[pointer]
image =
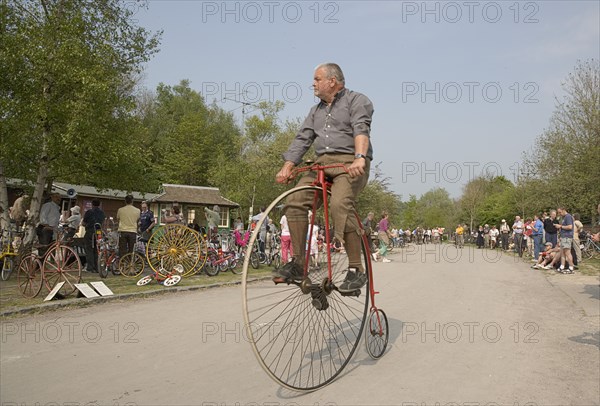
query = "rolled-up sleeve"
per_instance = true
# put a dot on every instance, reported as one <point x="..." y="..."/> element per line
<point x="361" y="114"/>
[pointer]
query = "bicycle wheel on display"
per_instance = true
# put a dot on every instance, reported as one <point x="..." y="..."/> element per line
<point x="276" y="261"/>
<point x="103" y="263"/>
<point x="254" y="259"/>
<point x="303" y="335"/>
<point x="588" y="251"/>
<point x="234" y="265"/>
<point x="131" y="265"/>
<point x="211" y="267"/>
<point x="8" y="264"/>
<point x="145" y="280"/>
<point x="174" y="244"/>
<point x="114" y="265"/>
<point x="61" y="264"/>
<point x="29" y="276"/>
<point x="376" y="333"/>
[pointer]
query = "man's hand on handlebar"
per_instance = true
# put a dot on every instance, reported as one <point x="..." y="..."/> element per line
<point x="357" y="168"/>
<point x="285" y="173"/>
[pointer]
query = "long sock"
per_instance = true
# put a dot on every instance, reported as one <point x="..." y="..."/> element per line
<point x="352" y="244"/>
<point x="298" y="231"/>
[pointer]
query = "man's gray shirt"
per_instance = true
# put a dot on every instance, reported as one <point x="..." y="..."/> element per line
<point x="333" y="128"/>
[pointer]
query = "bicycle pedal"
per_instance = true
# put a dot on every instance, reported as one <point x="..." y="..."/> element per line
<point x="351" y="293"/>
<point x="319" y="298"/>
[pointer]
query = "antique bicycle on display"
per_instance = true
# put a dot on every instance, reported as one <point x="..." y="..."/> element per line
<point x="305" y="333"/>
<point x="59" y="263"/>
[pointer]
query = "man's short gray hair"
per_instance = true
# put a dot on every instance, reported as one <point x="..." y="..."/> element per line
<point x="333" y="71"/>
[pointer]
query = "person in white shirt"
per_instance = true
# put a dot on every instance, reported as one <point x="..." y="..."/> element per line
<point x="49" y="219"/>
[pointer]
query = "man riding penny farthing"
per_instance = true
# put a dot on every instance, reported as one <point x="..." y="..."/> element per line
<point x="305" y="324"/>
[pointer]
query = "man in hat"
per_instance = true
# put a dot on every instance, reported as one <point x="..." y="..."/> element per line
<point x="504" y="234"/>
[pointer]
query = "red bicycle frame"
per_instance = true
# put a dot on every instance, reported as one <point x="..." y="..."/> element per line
<point x="321" y="181"/>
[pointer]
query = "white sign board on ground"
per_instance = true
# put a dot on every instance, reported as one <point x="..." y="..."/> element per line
<point x="54" y="292"/>
<point x="85" y="290"/>
<point x="102" y="288"/>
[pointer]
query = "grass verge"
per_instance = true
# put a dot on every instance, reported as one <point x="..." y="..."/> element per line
<point x="11" y="299"/>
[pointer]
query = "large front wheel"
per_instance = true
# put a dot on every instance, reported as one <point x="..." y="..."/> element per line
<point x="303" y="335"/>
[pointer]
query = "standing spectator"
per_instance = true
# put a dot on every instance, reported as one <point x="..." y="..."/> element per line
<point x="369" y="231"/>
<point x="383" y="234"/>
<point x="566" y="240"/>
<point x="286" y="240"/>
<point x="147" y="222"/>
<point x="480" y="238"/>
<point x="486" y="236"/>
<point x="459" y="236"/>
<point x="435" y="233"/>
<point x="238" y="224"/>
<point x="537" y="234"/>
<point x="262" y="236"/>
<point x="576" y="241"/>
<point x="494" y="233"/>
<point x="128" y="217"/>
<point x="550" y="228"/>
<point x="527" y="236"/>
<point x="49" y="219"/>
<point x="504" y="234"/>
<point x="518" y="229"/>
<point x="92" y="217"/>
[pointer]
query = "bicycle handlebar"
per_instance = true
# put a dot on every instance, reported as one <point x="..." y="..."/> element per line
<point x="311" y="166"/>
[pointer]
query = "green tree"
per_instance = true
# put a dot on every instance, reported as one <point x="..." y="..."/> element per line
<point x="436" y="208"/>
<point x="186" y="138"/>
<point x="66" y="93"/>
<point x="565" y="160"/>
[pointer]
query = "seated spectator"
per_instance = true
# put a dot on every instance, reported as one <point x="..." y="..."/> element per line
<point x="545" y="256"/>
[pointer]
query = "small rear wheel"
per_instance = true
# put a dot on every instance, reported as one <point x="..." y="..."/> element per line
<point x="376" y="333"/>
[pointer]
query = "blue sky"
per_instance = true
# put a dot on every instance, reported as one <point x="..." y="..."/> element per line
<point x="458" y="87"/>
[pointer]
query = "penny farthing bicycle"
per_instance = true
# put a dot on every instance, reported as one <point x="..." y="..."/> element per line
<point x="305" y="333"/>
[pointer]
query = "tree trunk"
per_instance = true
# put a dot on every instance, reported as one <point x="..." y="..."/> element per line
<point x="4" y="217"/>
<point x="38" y="192"/>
